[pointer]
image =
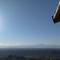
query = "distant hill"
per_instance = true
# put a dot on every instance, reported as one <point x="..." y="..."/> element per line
<point x="42" y="46"/>
<point x="46" y="46"/>
<point x="34" y="46"/>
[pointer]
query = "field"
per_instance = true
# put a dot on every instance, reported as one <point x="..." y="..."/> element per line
<point x="29" y="54"/>
<point x="11" y="57"/>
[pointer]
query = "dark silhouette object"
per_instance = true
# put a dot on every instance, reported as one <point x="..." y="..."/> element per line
<point x="22" y="58"/>
<point x="10" y="57"/>
<point x="33" y="59"/>
<point x="18" y="58"/>
<point x="56" y="16"/>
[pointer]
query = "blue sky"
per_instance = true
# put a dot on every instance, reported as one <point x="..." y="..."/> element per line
<point x="28" y="22"/>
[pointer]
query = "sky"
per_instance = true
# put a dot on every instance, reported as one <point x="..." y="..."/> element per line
<point x="28" y="22"/>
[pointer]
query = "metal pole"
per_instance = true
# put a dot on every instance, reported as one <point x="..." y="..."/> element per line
<point x="56" y="16"/>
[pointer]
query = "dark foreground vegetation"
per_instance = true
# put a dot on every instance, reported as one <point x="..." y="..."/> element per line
<point x="14" y="57"/>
